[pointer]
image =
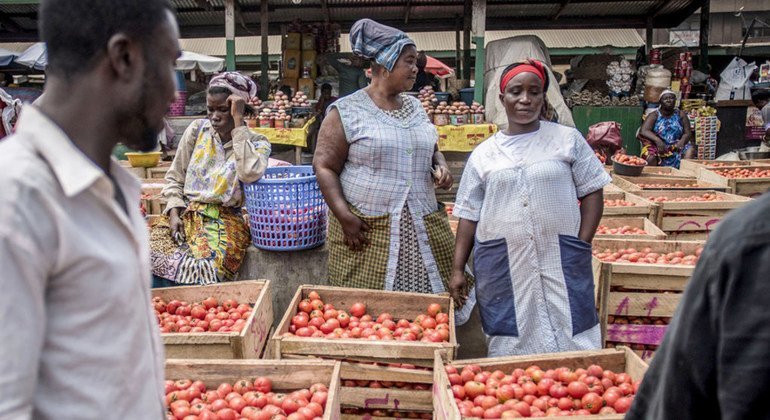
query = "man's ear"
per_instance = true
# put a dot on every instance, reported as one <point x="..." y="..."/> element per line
<point x="125" y="57"/>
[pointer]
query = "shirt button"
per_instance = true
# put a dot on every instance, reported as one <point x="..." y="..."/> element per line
<point x="525" y="204"/>
<point x="409" y="151"/>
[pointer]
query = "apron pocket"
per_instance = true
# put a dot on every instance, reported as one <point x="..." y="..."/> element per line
<point x="494" y="288"/>
<point x="579" y="279"/>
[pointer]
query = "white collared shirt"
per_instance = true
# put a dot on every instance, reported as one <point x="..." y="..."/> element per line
<point x="78" y="338"/>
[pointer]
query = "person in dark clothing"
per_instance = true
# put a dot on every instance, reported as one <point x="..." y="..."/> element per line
<point x="424" y="78"/>
<point x="714" y="361"/>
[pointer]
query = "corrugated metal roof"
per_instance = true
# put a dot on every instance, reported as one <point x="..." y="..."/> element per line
<point x="423" y="15"/>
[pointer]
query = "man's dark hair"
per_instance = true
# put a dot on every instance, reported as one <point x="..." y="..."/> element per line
<point x="326" y="86"/>
<point x="77" y="31"/>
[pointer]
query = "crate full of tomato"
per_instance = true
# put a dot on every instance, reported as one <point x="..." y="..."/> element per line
<point x="599" y="383"/>
<point x="221" y="321"/>
<point x="640" y="284"/>
<point x="691" y="215"/>
<point x="252" y="389"/>
<point x="366" y="325"/>
<point x="748" y="181"/>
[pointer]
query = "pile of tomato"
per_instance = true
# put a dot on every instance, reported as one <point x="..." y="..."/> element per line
<point x="623" y="230"/>
<point x="684" y="185"/>
<point x="315" y="318"/>
<point x="744" y="173"/>
<point x="629" y="160"/>
<point x="534" y="392"/>
<point x="601" y="157"/>
<point x="618" y="203"/>
<point x="244" y="399"/>
<point x="648" y="256"/>
<point x="205" y="316"/>
<point x="692" y="198"/>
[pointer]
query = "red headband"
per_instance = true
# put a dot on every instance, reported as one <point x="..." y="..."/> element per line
<point x="531" y="67"/>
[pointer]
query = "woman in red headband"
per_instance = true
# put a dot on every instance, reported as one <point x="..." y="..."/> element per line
<point x="519" y="213"/>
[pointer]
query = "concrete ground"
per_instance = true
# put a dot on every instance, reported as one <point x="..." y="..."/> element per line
<point x="289" y="270"/>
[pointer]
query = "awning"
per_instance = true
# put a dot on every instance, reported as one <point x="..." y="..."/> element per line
<point x="190" y="60"/>
<point x="35" y="56"/>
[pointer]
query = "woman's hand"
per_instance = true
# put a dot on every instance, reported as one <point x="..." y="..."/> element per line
<point x="175" y="222"/>
<point x="354" y="230"/>
<point x="237" y="109"/>
<point x="457" y="285"/>
<point x="443" y="177"/>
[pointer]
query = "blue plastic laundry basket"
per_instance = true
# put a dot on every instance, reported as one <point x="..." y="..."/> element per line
<point x="286" y="209"/>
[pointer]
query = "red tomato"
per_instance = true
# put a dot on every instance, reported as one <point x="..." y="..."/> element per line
<point x="313" y="296"/>
<point x="242" y="386"/>
<point x="592" y="402"/>
<point x="622" y="404"/>
<point x="227" y="414"/>
<point x="319" y="397"/>
<point x="577" y="389"/>
<point x="263" y="384"/>
<point x="210" y="302"/>
<point x="474" y="389"/>
<point x="434" y="309"/>
<point x="358" y="310"/>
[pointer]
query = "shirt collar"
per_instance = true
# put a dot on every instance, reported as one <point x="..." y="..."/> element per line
<point x="74" y="171"/>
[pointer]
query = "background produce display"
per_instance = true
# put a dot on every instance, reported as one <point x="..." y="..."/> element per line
<point x="558" y="385"/>
<point x="629" y="160"/>
<point x="255" y="389"/>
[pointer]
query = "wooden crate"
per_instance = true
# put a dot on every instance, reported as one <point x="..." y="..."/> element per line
<point x="612" y="188"/>
<point x="693" y="167"/>
<point x="286" y="375"/>
<point x="618" y="360"/>
<point x="642" y="208"/>
<point x="386" y="398"/>
<point x="691" y="219"/>
<point x="631" y="184"/>
<point x="248" y="344"/>
<point x="138" y="172"/>
<point x="399" y="304"/>
<point x="158" y="171"/>
<point x="747" y="187"/>
<point x="650" y="290"/>
<point x="665" y="172"/>
<point x="653" y="232"/>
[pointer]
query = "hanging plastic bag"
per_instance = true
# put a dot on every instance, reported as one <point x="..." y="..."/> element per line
<point x="735" y="83"/>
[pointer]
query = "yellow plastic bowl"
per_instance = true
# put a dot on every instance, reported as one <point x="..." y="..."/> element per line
<point x="143" y="160"/>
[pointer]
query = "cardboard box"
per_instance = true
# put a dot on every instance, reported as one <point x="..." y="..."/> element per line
<point x="292" y="63"/>
<point x="308" y="61"/>
<point x="308" y="42"/>
<point x="293" y="41"/>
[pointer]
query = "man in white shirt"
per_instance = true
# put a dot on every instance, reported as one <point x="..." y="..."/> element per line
<point x="78" y="337"/>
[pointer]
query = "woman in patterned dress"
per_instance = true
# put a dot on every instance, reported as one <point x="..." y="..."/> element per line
<point x="666" y="135"/>
<point x="376" y="161"/>
<point x="203" y="236"/>
<point x="519" y="213"/>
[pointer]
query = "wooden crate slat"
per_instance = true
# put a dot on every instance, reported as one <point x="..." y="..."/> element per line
<point x="384" y="398"/>
<point x="643" y="304"/>
<point x="636" y="334"/>
<point x="631" y="184"/>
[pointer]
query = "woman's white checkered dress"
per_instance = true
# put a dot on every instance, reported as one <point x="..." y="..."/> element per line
<point x="388" y="170"/>
<point x="534" y="284"/>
